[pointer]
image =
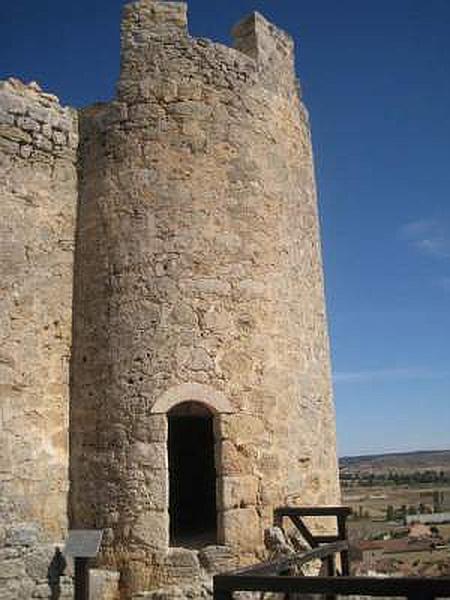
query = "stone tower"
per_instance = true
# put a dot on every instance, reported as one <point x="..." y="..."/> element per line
<point x="200" y="377"/>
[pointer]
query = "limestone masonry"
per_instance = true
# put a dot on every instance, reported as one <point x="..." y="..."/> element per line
<point x="162" y="313"/>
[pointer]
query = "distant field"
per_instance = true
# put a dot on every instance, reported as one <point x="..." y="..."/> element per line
<point x="383" y="489"/>
<point x="370" y="484"/>
<point x="374" y="501"/>
<point x="438" y="460"/>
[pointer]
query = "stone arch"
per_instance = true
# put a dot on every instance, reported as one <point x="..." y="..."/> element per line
<point x="219" y="406"/>
<point x="193" y="392"/>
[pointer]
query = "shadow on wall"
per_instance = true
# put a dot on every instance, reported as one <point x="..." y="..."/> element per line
<point x="55" y="571"/>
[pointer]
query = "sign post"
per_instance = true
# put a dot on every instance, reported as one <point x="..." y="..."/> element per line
<point x="81" y="545"/>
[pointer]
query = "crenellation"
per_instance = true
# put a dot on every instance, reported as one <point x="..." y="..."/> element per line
<point x="151" y="46"/>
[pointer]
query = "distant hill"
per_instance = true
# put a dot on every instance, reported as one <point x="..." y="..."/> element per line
<point x="435" y="460"/>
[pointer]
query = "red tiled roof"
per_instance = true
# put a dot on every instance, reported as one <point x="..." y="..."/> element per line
<point x="394" y="546"/>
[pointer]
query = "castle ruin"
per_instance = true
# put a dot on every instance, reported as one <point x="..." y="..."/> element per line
<point x="164" y="358"/>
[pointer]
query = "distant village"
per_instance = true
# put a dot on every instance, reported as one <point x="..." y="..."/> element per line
<point x="415" y="550"/>
<point x="400" y="524"/>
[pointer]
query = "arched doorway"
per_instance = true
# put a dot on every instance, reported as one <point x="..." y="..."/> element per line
<point x="192" y="475"/>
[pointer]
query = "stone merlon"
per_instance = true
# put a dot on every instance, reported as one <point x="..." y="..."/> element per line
<point x="147" y="21"/>
<point x="260" y="39"/>
<point x="155" y="19"/>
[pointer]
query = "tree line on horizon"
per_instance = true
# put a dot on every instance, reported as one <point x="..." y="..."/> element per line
<point x="428" y="476"/>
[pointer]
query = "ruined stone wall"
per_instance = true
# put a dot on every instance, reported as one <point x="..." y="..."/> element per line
<point x="198" y="271"/>
<point x="38" y="140"/>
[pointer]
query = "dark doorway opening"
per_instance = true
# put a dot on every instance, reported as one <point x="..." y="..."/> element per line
<point x="192" y="475"/>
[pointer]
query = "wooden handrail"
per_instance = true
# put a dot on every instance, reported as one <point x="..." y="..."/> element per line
<point x="269" y="577"/>
<point x="298" y="559"/>
<point x="296" y="515"/>
<point x="313" y="511"/>
<point x="411" y="588"/>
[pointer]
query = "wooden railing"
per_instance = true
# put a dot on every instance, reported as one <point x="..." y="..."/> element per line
<point x="340" y="513"/>
<point x="276" y="576"/>
<point x="410" y="588"/>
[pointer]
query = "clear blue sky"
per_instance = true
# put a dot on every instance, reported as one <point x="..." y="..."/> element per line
<point x="376" y="79"/>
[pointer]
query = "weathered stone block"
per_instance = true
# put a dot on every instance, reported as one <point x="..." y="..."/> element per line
<point x="103" y="585"/>
<point x="25" y="151"/>
<point x="24" y="534"/>
<point x="28" y="124"/>
<point x="38" y="113"/>
<point x="242" y="529"/>
<point x="207" y="286"/>
<point x="234" y="461"/>
<point x="11" y="569"/>
<point x="6" y="118"/>
<point x="239" y="492"/>
<point x="218" y="559"/>
<point x="8" y="147"/>
<point x="152" y="429"/>
<point x="242" y="428"/>
<point x="59" y="137"/>
<point x="149" y="455"/>
<point x="182" y="565"/>
<point x="14" y="134"/>
<point x="198" y="359"/>
<point x="12" y="103"/>
<point x="156" y="483"/>
<point x="17" y="589"/>
<point x="152" y="529"/>
<point x="43" y="143"/>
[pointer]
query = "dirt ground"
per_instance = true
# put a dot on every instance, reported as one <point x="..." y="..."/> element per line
<point x="373" y="501"/>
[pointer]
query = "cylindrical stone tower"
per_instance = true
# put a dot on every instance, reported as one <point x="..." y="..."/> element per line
<point x="200" y="373"/>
